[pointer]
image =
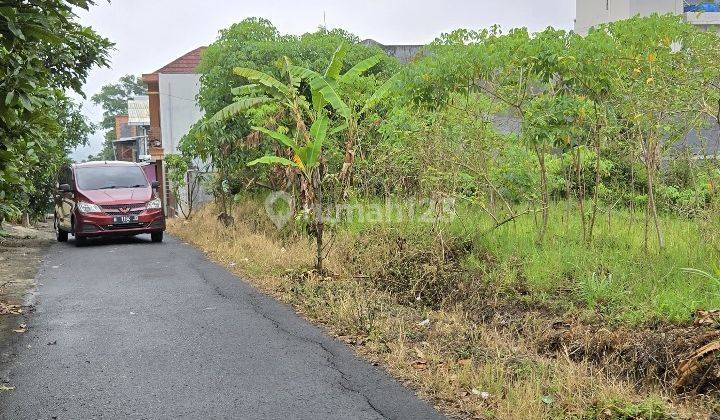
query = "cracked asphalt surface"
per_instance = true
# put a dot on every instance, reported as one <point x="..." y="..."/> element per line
<point x="132" y="329"/>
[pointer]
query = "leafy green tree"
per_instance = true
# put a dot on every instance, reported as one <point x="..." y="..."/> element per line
<point x="662" y="65"/>
<point x="67" y="129"/>
<point x="257" y="44"/>
<point x="43" y="52"/>
<point x="313" y="111"/>
<point x="113" y="100"/>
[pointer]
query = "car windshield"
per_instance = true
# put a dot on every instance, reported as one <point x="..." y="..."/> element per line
<point x="110" y="177"/>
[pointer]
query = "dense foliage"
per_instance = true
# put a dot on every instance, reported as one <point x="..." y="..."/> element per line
<point x="579" y="209"/>
<point x="255" y="43"/>
<point x="43" y="53"/>
<point x="510" y="122"/>
<point x="625" y="94"/>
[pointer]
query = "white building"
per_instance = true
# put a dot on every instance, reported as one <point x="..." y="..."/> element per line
<point x="173" y="107"/>
<point x="593" y="12"/>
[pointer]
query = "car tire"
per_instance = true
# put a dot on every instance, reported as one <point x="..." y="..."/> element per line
<point x="60" y="234"/>
<point x="156" y="237"/>
<point x="80" y="241"/>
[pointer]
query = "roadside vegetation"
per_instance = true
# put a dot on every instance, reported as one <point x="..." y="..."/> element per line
<point x="476" y="343"/>
<point x="515" y="223"/>
<point x="45" y="54"/>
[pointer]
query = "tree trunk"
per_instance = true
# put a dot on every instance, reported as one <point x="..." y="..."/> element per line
<point x="651" y="164"/>
<point x="318" y="216"/>
<point x="596" y="193"/>
<point x="568" y="193"/>
<point x="347" y="168"/>
<point x="580" y="192"/>
<point x="632" y="192"/>
<point x="652" y="208"/>
<point x="545" y="199"/>
<point x="647" y="223"/>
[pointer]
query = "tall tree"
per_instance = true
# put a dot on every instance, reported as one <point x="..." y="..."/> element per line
<point x="255" y="43"/>
<point x="44" y="51"/>
<point x="113" y="99"/>
<point x="311" y="115"/>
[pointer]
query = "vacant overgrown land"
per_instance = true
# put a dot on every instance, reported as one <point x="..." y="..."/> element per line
<point x="519" y="225"/>
<point x="487" y="322"/>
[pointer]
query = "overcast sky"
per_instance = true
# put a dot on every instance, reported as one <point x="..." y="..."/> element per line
<point x="149" y="34"/>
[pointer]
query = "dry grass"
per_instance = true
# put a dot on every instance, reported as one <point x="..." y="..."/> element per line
<point x="469" y="369"/>
<point x="260" y="256"/>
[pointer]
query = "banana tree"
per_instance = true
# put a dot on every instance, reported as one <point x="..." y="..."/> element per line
<point x="306" y="159"/>
<point x="306" y="144"/>
<point x="326" y="89"/>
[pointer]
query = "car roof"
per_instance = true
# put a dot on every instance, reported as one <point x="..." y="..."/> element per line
<point x="96" y="164"/>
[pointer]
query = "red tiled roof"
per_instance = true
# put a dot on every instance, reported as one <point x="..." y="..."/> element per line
<point x="183" y="65"/>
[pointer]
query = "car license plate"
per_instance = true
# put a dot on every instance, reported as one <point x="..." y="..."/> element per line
<point x="124" y="220"/>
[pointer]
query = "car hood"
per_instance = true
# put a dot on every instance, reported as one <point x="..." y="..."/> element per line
<point x="118" y="196"/>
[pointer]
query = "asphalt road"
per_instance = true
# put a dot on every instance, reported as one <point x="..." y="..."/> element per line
<point x="134" y="329"/>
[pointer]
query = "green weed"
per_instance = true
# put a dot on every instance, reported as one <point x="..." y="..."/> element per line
<point x="614" y="275"/>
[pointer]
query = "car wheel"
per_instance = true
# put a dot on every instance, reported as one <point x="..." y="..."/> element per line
<point x="80" y="241"/>
<point x="156" y="236"/>
<point x="60" y="234"/>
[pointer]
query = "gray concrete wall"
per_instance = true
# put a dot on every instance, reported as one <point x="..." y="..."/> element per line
<point x="594" y="12"/>
<point x="178" y="107"/>
<point x="648" y="7"/>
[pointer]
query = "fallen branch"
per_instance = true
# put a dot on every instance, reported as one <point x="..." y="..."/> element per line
<point x="701" y="362"/>
<point x="511" y="218"/>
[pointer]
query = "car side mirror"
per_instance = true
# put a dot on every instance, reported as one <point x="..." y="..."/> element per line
<point x="65" y="188"/>
<point x="155" y="185"/>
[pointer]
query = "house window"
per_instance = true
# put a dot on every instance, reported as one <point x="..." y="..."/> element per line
<point x="607" y="5"/>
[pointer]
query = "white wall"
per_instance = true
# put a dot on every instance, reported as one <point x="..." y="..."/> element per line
<point x="178" y="107"/>
<point x="178" y="111"/>
<point x="648" y="7"/>
<point x="595" y="12"/>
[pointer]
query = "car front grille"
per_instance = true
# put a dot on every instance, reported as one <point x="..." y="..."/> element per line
<point x="118" y="209"/>
<point x="126" y="226"/>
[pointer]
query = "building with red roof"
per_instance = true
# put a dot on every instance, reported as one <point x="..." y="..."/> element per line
<point x="172" y="91"/>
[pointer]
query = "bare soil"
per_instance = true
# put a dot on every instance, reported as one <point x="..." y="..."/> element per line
<point x="21" y="252"/>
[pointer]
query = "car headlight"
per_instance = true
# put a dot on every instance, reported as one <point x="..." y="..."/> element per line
<point x="84" y="207"/>
<point x="153" y="204"/>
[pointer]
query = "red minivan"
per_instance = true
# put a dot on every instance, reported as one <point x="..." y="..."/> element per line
<point x="107" y="199"/>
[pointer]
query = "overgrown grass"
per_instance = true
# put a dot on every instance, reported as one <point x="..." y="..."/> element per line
<point x="613" y="277"/>
<point x="414" y="297"/>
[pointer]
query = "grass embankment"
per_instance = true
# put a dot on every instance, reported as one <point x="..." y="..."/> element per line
<point x="615" y="278"/>
<point x="492" y="324"/>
